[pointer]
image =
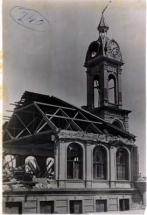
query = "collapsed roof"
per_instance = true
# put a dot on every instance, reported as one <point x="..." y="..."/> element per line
<point x="37" y="113"/>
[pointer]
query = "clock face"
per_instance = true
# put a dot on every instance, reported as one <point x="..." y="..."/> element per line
<point x="113" y="50"/>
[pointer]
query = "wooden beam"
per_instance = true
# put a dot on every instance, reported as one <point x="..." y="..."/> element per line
<point x="9" y="134"/>
<point x="51" y="124"/>
<point x="22" y="108"/>
<point x="30" y="151"/>
<point x="18" y="117"/>
<point x="41" y="127"/>
<point x="54" y="113"/>
<point x="50" y="105"/>
<point x="25" y="128"/>
<point x="72" y="120"/>
<point x="75" y="119"/>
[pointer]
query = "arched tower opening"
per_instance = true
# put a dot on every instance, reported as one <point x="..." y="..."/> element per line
<point x="96" y="87"/>
<point x="112" y="89"/>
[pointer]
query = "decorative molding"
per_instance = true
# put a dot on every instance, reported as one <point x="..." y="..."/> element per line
<point x="110" y="68"/>
<point x="64" y="134"/>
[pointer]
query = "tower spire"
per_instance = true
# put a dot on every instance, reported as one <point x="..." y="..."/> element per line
<point x="102" y="27"/>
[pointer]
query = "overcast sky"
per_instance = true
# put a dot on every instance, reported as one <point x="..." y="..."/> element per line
<point x="51" y="61"/>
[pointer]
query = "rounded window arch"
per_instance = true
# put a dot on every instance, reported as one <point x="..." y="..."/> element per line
<point x="93" y="50"/>
<point x="74" y="161"/>
<point x="99" y="163"/>
<point x="112" y="89"/>
<point x="122" y="164"/>
<point x="117" y="123"/>
<point x="31" y="165"/>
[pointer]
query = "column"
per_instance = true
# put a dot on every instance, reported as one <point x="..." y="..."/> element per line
<point x="104" y="86"/>
<point x="119" y="87"/>
<point x="88" y="164"/>
<point x="62" y="164"/>
<point x="112" y="166"/>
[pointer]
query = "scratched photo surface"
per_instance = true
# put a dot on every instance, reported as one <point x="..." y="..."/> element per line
<point x="45" y="43"/>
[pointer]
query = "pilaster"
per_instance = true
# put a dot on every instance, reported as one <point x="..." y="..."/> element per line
<point x="112" y="166"/>
<point x="119" y="87"/>
<point x="88" y="164"/>
<point x="62" y="164"/>
<point x="90" y="90"/>
<point x="104" y="86"/>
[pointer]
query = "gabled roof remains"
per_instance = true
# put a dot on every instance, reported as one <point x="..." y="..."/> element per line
<point x="36" y="113"/>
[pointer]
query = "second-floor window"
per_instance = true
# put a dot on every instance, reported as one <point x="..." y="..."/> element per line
<point x="99" y="163"/>
<point x="122" y="162"/>
<point x="74" y="161"/>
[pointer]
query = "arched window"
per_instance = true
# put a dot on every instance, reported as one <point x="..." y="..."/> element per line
<point x="99" y="163"/>
<point x="9" y="162"/>
<point x="96" y="86"/>
<point x="122" y="162"/>
<point x="111" y="89"/>
<point x="74" y="161"/>
<point x="31" y="165"/>
<point x="118" y="124"/>
<point x="93" y="50"/>
<point x="50" y="162"/>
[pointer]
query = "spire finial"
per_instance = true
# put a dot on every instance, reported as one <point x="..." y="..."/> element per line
<point x="103" y="28"/>
<point x="106" y="7"/>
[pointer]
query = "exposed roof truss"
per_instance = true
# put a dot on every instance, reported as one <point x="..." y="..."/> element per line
<point x="36" y="113"/>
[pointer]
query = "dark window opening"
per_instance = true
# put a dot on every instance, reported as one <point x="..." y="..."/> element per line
<point x="13" y="208"/>
<point x="96" y="86"/>
<point x="74" y="161"/>
<point x="93" y="51"/>
<point x="76" y="207"/>
<point x="124" y="204"/>
<point x="99" y="163"/>
<point x="101" y="205"/>
<point x="122" y="164"/>
<point x="47" y="207"/>
<point x="118" y="124"/>
<point x="111" y="90"/>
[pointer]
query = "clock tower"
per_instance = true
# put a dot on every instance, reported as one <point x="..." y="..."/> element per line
<point x="104" y="69"/>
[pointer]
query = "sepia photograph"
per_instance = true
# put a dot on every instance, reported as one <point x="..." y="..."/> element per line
<point x="74" y="103"/>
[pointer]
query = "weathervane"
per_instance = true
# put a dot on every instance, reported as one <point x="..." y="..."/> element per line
<point x="106" y="7"/>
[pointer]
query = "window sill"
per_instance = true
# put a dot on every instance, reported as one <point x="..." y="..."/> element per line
<point x="74" y="179"/>
<point x="100" y="180"/>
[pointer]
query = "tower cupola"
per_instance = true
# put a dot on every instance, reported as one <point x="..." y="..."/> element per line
<point x="103" y="64"/>
<point x="102" y="27"/>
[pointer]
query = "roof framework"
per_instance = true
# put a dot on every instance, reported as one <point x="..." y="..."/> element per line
<point x="37" y="114"/>
<point x="29" y="133"/>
